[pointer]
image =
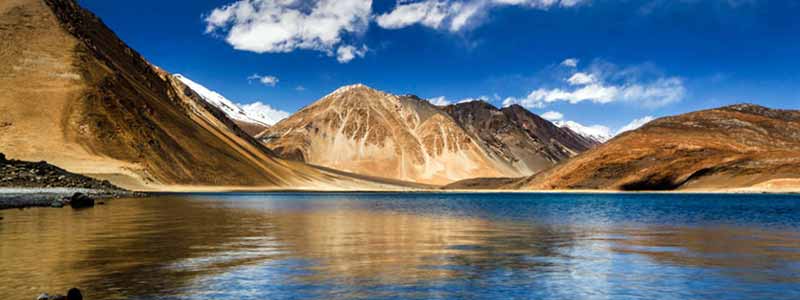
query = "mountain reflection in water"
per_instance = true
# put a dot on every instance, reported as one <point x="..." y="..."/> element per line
<point x="400" y="246"/>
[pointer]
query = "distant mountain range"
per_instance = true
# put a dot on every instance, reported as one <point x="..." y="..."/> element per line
<point x="362" y="130"/>
<point x="733" y="147"/>
<point x="77" y="96"/>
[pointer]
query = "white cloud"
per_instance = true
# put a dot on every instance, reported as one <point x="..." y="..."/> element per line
<point x="605" y="84"/>
<point x="454" y="15"/>
<point x="553" y="115"/>
<point x="440" y="101"/>
<point x="264" y="112"/>
<point x="635" y="124"/>
<point x="347" y="53"/>
<point x="300" y="88"/>
<point x="265" y="80"/>
<point x="570" y="62"/>
<point x="427" y="13"/>
<point x="581" y="79"/>
<point x="276" y="26"/>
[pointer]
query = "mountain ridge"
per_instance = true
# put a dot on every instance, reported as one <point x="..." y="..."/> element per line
<point x="361" y="130"/>
<point x="79" y="97"/>
<point x="735" y="146"/>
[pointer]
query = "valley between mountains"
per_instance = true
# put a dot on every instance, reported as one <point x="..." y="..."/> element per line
<point x="76" y="96"/>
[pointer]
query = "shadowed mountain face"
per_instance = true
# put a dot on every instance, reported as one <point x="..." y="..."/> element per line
<point x="518" y="137"/>
<point x="737" y="146"/>
<point x="75" y="95"/>
<point x="362" y="130"/>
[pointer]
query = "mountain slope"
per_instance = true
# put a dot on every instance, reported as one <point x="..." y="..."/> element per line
<point x="738" y="146"/>
<point x="518" y="137"/>
<point x="362" y="130"/>
<point x="75" y="95"/>
<point x="253" y="118"/>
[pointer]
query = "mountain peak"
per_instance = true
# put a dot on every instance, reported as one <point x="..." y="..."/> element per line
<point x="351" y="88"/>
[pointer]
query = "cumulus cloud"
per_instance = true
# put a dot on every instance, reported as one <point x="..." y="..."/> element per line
<point x="635" y="124"/>
<point x="347" y="53"/>
<point x="553" y="115"/>
<point x="265" y="80"/>
<point x="581" y="79"/>
<point x="605" y="83"/>
<point x="264" y="112"/>
<point x="454" y="15"/>
<point x="570" y="62"/>
<point x="276" y="26"/>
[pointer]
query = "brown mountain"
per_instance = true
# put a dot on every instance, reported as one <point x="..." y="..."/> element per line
<point x="75" y="95"/>
<point x="739" y="146"/>
<point x="361" y="130"/>
<point x="520" y="138"/>
<point x="365" y="131"/>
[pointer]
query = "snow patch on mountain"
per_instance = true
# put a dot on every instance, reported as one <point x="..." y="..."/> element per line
<point x="257" y="112"/>
<point x="598" y="133"/>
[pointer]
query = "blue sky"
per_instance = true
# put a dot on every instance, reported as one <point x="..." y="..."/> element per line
<point x="592" y="61"/>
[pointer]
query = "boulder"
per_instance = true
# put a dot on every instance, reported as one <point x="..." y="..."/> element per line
<point x="79" y="200"/>
<point x="57" y="204"/>
<point x="74" y="294"/>
<point x="2" y="158"/>
<point x="44" y="296"/>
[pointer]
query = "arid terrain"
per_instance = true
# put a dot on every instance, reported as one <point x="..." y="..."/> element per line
<point x="76" y="96"/>
<point x="735" y="147"/>
<point x="521" y="139"/>
<point x="362" y="130"/>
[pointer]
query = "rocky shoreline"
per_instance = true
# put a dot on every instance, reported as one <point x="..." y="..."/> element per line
<point x="24" y="198"/>
<point x="39" y="184"/>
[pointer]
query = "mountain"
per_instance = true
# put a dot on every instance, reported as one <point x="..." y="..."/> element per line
<point x="599" y="134"/>
<point x="738" y="146"/>
<point x="252" y="118"/>
<point x="362" y="130"/>
<point x="75" y="95"/>
<point x="518" y="137"/>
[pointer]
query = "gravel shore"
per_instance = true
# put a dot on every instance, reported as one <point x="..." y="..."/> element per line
<point x="44" y="197"/>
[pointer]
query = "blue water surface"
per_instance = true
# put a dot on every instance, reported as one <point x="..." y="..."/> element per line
<point x="420" y="246"/>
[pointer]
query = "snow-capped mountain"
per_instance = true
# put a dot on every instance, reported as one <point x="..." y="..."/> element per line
<point x="256" y="113"/>
<point x="597" y="132"/>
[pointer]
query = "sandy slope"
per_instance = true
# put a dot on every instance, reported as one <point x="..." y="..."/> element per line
<point x="75" y="95"/>
<point x="740" y="147"/>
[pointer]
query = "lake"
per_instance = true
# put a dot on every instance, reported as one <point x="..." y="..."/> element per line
<point x="408" y="246"/>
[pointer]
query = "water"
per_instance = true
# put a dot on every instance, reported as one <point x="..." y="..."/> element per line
<point x="408" y="246"/>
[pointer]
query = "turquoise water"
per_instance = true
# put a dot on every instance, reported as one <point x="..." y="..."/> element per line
<point x="409" y="246"/>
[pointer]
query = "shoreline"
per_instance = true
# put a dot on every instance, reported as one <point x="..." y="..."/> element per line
<point x="20" y="198"/>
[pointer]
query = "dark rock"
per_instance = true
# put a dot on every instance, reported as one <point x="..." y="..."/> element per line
<point x="2" y="158"/>
<point x="58" y="297"/>
<point x="74" y="294"/>
<point x="57" y="204"/>
<point x="43" y="296"/>
<point x="80" y="200"/>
